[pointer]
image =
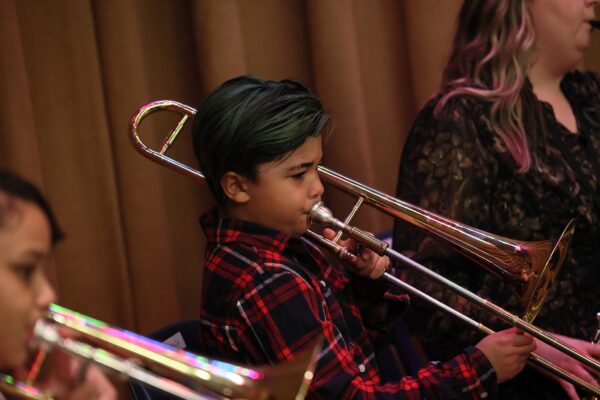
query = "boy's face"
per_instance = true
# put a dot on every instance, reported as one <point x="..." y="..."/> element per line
<point x="284" y="191"/>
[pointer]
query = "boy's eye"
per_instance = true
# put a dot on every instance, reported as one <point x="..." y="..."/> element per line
<point x="25" y="271"/>
<point x="299" y="175"/>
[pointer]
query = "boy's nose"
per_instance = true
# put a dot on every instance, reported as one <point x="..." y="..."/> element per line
<point x="318" y="188"/>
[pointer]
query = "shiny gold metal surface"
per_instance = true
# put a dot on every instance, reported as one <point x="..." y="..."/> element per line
<point x="177" y="372"/>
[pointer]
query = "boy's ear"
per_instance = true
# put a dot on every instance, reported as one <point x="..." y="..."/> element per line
<point x="235" y="187"/>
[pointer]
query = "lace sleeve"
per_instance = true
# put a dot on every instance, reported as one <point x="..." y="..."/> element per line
<point x="446" y="168"/>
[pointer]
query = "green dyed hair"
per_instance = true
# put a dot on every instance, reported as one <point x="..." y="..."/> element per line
<point x="249" y="121"/>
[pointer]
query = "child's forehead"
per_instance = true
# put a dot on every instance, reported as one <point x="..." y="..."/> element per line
<point x="308" y="153"/>
<point x="309" y="150"/>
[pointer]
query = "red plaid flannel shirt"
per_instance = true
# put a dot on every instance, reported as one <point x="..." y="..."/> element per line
<point x="267" y="296"/>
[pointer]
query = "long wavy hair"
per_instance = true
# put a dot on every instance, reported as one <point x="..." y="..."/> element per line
<point x="490" y="59"/>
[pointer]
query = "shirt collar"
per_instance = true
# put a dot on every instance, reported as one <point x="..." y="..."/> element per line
<point x="223" y="230"/>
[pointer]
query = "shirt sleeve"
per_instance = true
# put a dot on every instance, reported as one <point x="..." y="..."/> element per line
<point x="379" y="303"/>
<point x="281" y="315"/>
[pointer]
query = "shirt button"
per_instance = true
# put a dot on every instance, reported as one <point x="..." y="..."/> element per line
<point x="361" y="368"/>
<point x="484" y="395"/>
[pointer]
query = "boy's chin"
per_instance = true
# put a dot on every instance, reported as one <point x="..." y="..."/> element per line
<point x="299" y="232"/>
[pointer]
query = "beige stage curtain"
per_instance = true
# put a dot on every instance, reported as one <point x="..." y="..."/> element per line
<point x="72" y="72"/>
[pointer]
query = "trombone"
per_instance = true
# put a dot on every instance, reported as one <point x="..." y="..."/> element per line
<point x="160" y="366"/>
<point x="529" y="268"/>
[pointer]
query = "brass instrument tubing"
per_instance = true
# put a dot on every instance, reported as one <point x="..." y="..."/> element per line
<point x="528" y="267"/>
<point x="498" y="311"/>
<point x="126" y="368"/>
<point x="534" y="361"/>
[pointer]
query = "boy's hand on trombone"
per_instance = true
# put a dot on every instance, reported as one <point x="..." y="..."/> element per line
<point x="507" y="351"/>
<point x="366" y="262"/>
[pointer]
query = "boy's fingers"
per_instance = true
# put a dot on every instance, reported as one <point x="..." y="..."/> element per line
<point x="384" y="266"/>
<point x="359" y="250"/>
<point x="522" y="340"/>
<point x="328" y="233"/>
<point x="525" y="350"/>
<point x="366" y="255"/>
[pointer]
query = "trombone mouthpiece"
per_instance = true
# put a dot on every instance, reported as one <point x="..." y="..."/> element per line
<point x="320" y="214"/>
<point x="595" y="23"/>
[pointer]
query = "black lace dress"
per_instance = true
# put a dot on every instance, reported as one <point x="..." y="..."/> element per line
<point x="456" y="166"/>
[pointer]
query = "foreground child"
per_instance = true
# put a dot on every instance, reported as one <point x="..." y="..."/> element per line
<point x="28" y="233"/>
<point x="268" y="293"/>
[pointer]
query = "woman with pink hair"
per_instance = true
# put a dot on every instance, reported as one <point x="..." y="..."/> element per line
<point x="511" y="145"/>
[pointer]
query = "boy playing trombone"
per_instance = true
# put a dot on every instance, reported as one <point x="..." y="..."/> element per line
<point x="268" y="293"/>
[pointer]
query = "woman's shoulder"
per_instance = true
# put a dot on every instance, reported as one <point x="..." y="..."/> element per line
<point x="583" y="83"/>
<point x="457" y="109"/>
<point x="462" y="117"/>
<point x="583" y="76"/>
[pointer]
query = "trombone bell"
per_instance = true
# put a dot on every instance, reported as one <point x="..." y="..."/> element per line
<point x="528" y="268"/>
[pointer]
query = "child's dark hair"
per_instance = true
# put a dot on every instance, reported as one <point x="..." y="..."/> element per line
<point x="248" y="121"/>
<point x="16" y="188"/>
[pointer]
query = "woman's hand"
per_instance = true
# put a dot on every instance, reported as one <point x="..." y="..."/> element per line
<point x="569" y="364"/>
<point x="366" y="262"/>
